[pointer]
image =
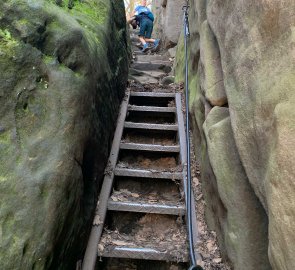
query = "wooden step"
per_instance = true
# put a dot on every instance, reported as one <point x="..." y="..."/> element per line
<point x="144" y="253"/>
<point x="145" y="207"/>
<point x="152" y="94"/>
<point x="129" y="236"/>
<point x="150" y="147"/>
<point x="150" y="126"/>
<point x="151" y="109"/>
<point x="148" y="173"/>
<point x="157" y="62"/>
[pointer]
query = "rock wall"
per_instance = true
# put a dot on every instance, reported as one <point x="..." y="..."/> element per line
<point x="242" y="80"/>
<point x="168" y="21"/>
<point x="63" y="75"/>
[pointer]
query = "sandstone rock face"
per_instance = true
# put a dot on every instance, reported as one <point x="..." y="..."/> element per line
<point x="245" y="221"/>
<point x="168" y="22"/>
<point x="63" y="74"/>
<point x="158" y="24"/>
<point x="210" y="69"/>
<point x="247" y="49"/>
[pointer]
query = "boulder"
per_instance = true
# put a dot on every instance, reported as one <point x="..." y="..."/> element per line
<point x="257" y="54"/>
<point x="63" y="74"/>
<point x="254" y="41"/>
<point x="211" y="70"/>
<point x="280" y="189"/>
<point x="168" y="22"/>
<point x="245" y="224"/>
<point x="157" y="10"/>
<point x="172" y="51"/>
<point x="167" y="80"/>
<point x="172" y="22"/>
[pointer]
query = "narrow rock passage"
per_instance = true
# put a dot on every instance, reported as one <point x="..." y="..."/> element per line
<point x="207" y="244"/>
<point x="140" y="220"/>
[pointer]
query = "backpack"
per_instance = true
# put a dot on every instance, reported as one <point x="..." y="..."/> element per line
<point x="144" y="10"/>
<point x="151" y="16"/>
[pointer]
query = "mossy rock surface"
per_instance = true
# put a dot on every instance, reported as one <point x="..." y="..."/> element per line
<point x="63" y="75"/>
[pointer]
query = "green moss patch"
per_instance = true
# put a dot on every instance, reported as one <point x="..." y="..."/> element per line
<point x="7" y="42"/>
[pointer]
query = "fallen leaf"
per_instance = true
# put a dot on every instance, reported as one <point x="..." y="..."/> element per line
<point x="100" y="247"/>
<point x="213" y="233"/>
<point x="140" y="238"/>
<point x="199" y="197"/>
<point x="174" y="237"/>
<point x="205" y="255"/>
<point x="196" y="181"/>
<point x="121" y="243"/>
<point x="217" y="260"/>
<point x="201" y="229"/>
<point x="211" y="246"/>
<point x="152" y="197"/>
<point x="135" y="195"/>
<point x="122" y="199"/>
<point x="114" y="198"/>
<point x="200" y="263"/>
<point x="97" y="220"/>
<point x="103" y="240"/>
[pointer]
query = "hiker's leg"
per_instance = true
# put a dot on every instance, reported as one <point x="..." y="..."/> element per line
<point x="142" y="40"/>
<point x="142" y="32"/>
<point x="151" y="40"/>
<point x="149" y="31"/>
<point x="155" y="42"/>
<point x="148" y="35"/>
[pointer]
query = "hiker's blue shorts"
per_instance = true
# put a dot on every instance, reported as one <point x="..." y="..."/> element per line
<point x="146" y="28"/>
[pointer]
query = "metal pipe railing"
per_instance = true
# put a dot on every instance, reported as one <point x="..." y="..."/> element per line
<point x="194" y="265"/>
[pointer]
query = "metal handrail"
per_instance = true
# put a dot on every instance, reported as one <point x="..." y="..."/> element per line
<point x="194" y="265"/>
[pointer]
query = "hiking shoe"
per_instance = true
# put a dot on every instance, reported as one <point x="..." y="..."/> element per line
<point x="156" y="44"/>
<point x="145" y="48"/>
<point x="139" y="45"/>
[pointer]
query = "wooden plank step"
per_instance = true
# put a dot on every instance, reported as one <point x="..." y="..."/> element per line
<point x="150" y="147"/>
<point x="148" y="174"/>
<point x="151" y="109"/>
<point x="144" y="253"/>
<point x="129" y="239"/>
<point x="152" y="94"/>
<point x="157" y="62"/>
<point x="150" y="126"/>
<point x="144" y="207"/>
